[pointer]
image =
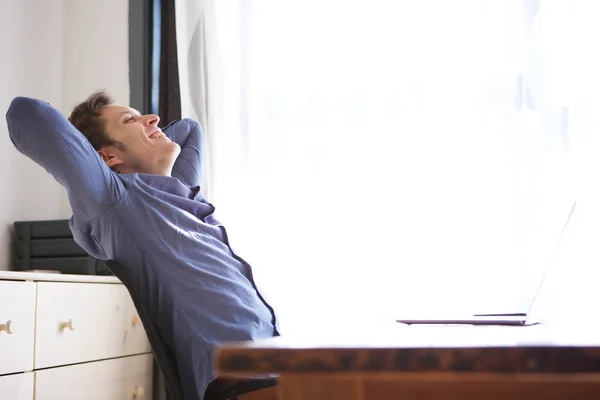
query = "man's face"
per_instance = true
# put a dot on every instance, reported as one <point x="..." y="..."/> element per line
<point x="143" y="147"/>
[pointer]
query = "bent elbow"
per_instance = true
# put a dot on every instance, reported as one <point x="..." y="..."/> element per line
<point x="21" y="110"/>
<point x="21" y="107"/>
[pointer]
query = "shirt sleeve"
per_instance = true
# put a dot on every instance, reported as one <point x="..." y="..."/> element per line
<point x="44" y="135"/>
<point x="188" y="134"/>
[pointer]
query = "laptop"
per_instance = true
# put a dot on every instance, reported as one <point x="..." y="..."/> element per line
<point x="531" y="317"/>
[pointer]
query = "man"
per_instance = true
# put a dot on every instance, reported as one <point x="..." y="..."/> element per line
<point x="135" y="195"/>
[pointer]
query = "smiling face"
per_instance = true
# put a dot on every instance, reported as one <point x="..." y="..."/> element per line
<point x="139" y="146"/>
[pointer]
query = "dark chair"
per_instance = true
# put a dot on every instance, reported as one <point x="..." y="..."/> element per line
<point x="220" y="389"/>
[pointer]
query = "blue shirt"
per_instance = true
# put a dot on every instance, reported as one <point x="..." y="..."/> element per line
<point x="161" y="231"/>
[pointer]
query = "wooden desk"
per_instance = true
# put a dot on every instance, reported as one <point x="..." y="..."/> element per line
<point x="426" y="363"/>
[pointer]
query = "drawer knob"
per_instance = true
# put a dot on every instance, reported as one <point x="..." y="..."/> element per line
<point x="135" y="320"/>
<point x="138" y="393"/>
<point x="67" y="325"/>
<point x="6" y="327"/>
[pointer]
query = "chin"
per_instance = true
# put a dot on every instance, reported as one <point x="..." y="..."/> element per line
<point x="174" y="149"/>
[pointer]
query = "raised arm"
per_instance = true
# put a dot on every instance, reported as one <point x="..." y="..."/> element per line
<point x="188" y="134"/>
<point x="43" y="134"/>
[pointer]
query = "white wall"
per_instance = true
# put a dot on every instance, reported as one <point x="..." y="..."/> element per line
<point x="96" y="53"/>
<point x="31" y="51"/>
<point x="59" y="51"/>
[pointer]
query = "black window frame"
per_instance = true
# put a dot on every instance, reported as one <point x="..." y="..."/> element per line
<point x="144" y="55"/>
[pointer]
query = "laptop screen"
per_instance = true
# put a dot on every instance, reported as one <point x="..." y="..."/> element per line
<point x="549" y="285"/>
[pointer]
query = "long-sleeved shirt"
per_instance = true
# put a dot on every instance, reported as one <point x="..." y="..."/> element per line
<point x="161" y="231"/>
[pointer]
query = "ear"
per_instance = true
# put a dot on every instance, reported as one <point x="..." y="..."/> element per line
<point x="111" y="157"/>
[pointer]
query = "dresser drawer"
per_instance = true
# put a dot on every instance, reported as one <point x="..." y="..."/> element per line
<point x="127" y="378"/>
<point x="84" y="322"/>
<point x="17" y="318"/>
<point x="17" y="387"/>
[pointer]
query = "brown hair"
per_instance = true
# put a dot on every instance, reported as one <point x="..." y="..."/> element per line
<point x="87" y="119"/>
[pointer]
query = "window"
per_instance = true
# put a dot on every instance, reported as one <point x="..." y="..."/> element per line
<point x="377" y="157"/>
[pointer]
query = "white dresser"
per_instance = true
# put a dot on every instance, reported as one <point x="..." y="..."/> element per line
<point x="68" y="337"/>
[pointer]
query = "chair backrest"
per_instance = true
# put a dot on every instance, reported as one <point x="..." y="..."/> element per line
<point x="162" y="354"/>
<point x="166" y="359"/>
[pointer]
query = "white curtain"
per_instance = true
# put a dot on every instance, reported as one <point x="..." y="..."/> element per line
<point x="373" y="159"/>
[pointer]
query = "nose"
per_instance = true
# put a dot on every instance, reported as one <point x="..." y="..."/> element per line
<point x="151" y="119"/>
